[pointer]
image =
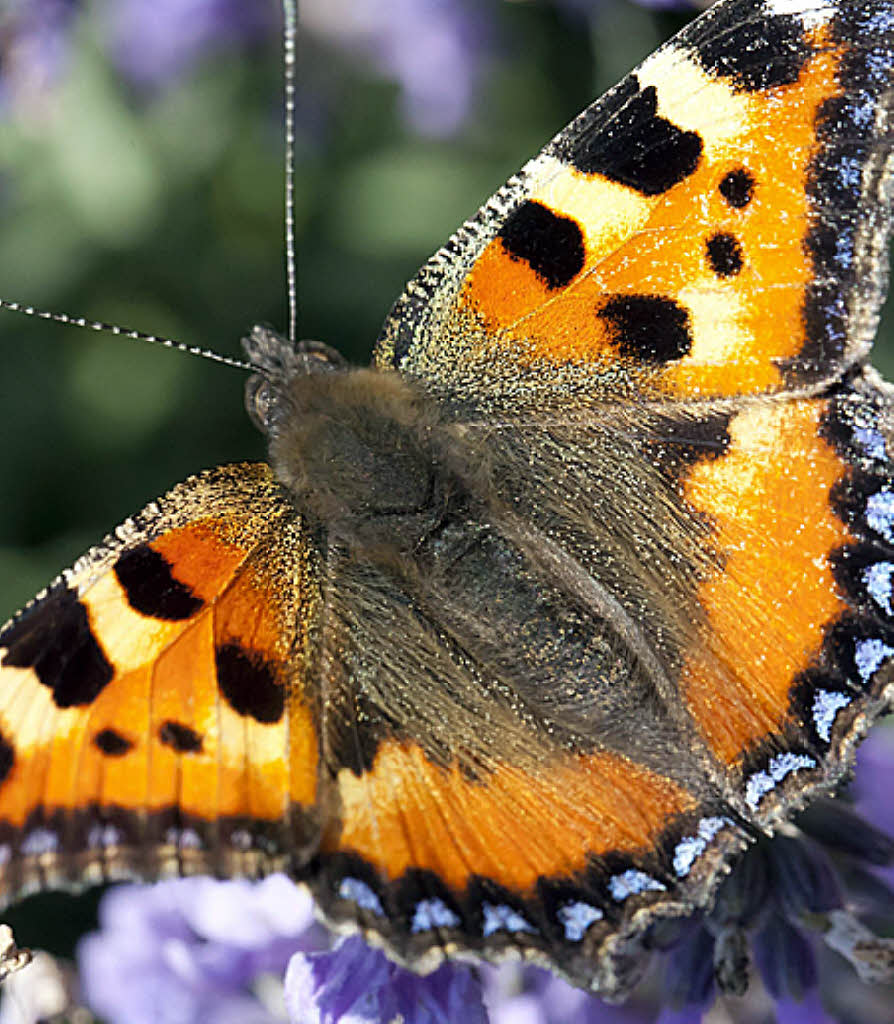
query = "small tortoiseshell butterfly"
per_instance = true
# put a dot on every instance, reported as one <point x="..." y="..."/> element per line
<point x="524" y="630"/>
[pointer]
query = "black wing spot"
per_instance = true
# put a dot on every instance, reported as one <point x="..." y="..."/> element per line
<point x="180" y="737"/>
<point x="358" y="726"/>
<point x="755" y="53"/>
<point x="649" y="328"/>
<point x="724" y="254"/>
<point x="634" y="146"/>
<point x="7" y="758"/>
<point x="55" y="640"/>
<point x="683" y="440"/>
<point x="111" y="742"/>
<point x="248" y="684"/>
<point x="761" y="53"/>
<point x="150" y="588"/>
<point x="552" y="245"/>
<point x="737" y="188"/>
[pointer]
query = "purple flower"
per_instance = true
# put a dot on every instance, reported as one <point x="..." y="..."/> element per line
<point x="872" y="785"/>
<point x="433" y="48"/>
<point x="354" y="983"/>
<point x="153" y="41"/>
<point x="194" y="949"/>
<point x="515" y="994"/>
<point x="809" y="1010"/>
<point x="34" y="43"/>
<point x="788" y="897"/>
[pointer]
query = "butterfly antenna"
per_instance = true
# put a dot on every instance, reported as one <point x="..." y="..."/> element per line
<point x="290" y="31"/>
<point x="124" y="332"/>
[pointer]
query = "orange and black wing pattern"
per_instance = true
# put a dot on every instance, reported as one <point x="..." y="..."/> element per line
<point x="713" y="226"/>
<point x="152" y="712"/>
<point x="592" y="576"/>
<point x="561" y="724"/>
<point x="656" y="336"/>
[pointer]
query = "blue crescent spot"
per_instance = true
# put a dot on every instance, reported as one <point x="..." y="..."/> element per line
<point x="38" y="841"/>
<point x="433" y="913"/>
<point x="631" y="883"/>
<point x="877" y="579"/>
<point x="871" y="440"/>
<point x="576" y="918"/>
<point x="826" y="705"/>
<point x="690" y="848"/>
<point x="360" y="893"/>
<point x="869" y="655"/>
<point x="501" y="918"/>
<point x="880" y="514"/>
<point x="760" y="783"/>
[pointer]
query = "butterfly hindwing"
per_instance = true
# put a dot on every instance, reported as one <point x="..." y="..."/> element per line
<point x="778" y="672"/>
<point x="489" y="797"/>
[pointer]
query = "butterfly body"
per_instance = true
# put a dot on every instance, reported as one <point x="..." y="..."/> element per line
<point x="529" y="627"/>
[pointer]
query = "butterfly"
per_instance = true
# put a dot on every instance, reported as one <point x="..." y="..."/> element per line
<point x="521" y="633"/>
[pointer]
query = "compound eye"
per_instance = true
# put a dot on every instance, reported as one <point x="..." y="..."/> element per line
<point x="260" y="402"/>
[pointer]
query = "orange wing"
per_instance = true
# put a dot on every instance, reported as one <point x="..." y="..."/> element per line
<point x="152" y="712"/>
<point x="713" y="226"/>
<point x="668" y="629"/>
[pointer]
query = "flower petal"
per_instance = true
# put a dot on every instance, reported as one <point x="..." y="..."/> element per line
<point x="356" y="983"/>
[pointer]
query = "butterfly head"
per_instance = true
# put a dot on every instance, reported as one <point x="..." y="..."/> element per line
<point x="358" y="449"/>
<point x="276" y="361"/>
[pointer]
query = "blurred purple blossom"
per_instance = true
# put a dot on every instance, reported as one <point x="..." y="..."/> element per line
<point x="434" y="49"/>
<point x="153" y="41"/>
<point x="808" y="1010"/>
<point x="357" y="984"/>
<point x="194" y="950"/>
<point x="34" y="40"/>
<point x="516" y="994"/>
<point x="872" y="785"/>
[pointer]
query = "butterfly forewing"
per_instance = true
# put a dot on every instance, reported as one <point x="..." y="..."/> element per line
<point x="713" y="226"/>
